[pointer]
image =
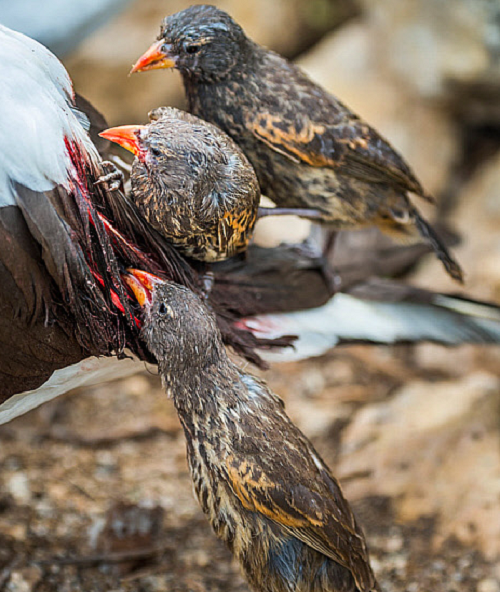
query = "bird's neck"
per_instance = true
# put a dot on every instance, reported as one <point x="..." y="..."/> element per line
<point x="200" y="91"/>
<point x="201" y="391"/>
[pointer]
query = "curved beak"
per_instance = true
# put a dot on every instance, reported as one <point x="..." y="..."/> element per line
<point x="127" y="136"/>
<point x="157" y="56"/>
<point x="142" y="284"/>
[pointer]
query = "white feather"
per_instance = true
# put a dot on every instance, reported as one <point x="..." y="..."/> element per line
<point x="86" y="373"/>
<point x="36" y="116"/>
<point x="348" y="318"/>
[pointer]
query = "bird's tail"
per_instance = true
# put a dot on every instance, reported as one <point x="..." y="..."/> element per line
<point x="409" y="227"/>
<point x="429" y="235"/>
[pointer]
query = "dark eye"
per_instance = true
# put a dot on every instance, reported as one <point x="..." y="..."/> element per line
<point x="162" y="309"/>
<point x="155" y="152"/>
<point x="192" y="48"/>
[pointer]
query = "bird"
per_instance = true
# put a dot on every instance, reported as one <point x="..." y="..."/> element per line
<point x="308" y="149"/>
<point x="264" y="488"/>
<point x="192" y="183"/>
<point x="65" y="239"/>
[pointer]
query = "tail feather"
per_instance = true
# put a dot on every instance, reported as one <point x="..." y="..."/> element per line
<point x="428" y="233"/>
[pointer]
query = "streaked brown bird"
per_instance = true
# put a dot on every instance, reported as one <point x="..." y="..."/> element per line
<point x="192" y="183"/>
<point x="308" y="149"/>
<point x="266" y="491"/>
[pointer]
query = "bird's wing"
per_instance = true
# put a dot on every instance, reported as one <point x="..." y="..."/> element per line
<point x="303" y="122"/>
<point x="280" y="476"/>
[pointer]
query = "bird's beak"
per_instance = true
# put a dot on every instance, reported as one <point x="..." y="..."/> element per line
<point x="157" y="56"/>
<point x="127" y="136"/>
<point x="142" y="284"/>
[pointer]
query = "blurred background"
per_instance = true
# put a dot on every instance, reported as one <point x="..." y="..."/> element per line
<point x="413" y="432"/>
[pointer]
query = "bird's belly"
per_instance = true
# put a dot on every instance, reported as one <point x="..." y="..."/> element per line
<point x="341" y="200"/>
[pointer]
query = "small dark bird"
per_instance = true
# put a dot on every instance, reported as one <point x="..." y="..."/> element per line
<point x="308" y="149"/>
<point x="192" y="183"/>
<point x="265" y="489"/>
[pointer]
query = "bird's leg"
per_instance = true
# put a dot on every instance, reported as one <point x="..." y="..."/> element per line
<point x="310" y="214"/>
<point x="207" y="282"/>
<point x="206" y="277"/>
<point x="319" y="246"/>
<point x="114" y="179"/>
<point x="329" y="248"/>
<point x="327" y="268"/>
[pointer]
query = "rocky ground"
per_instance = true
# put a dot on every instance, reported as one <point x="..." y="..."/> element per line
<point x="94" y="489"/>
<point x="96" y="494"/>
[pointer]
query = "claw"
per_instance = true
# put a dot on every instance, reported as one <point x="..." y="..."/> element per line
<point x="114" y="179"/>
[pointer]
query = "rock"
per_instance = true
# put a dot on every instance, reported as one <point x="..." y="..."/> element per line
<point x="273" y="230"/>
<point x="434" y="448"/>
<point x="348" y="64"/>
<point x="444" y="50"/>
<point x="18" y="486"/>
<point x="57" y="24"/>
<point x="24" y="580"/>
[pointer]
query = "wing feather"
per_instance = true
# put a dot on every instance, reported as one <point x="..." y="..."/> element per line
<point x="300" y="494"/>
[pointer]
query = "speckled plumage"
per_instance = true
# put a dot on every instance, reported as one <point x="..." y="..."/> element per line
<point x="195" y="186"/>
<point x="265" y="490"/>
<point x="308" y="149"/>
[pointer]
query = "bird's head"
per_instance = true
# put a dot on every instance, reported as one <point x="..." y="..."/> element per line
<point x="177" y="327"/>
<point x="202" y="42"/>
<point x="186" y="163"/>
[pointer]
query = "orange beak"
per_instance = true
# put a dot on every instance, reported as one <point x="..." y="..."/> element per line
<point x="127" y="136"/>
<point x="157" y="56"/>
<point x="142" y="284"/>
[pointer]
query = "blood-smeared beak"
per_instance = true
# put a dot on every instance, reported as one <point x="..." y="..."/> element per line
<point x="127" y="136"/>
<point x="142" y="285"/>
<point x="157" y="56"/>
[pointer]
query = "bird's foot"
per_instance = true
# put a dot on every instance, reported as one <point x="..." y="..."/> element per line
<point x="114" y="179"/>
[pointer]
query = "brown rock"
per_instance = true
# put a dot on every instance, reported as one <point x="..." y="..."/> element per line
<point x="477" y="220"/>
<point x="434" y="448"/>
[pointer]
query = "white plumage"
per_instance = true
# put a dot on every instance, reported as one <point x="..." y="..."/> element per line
<point x="37" y="117"/>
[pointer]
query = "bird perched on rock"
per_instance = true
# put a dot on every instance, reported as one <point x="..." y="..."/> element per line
<point x="308" y="149"/>
<point x="265" y="489"/>
<point x="192" y="183"/>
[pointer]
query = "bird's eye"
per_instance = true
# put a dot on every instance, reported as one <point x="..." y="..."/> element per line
<point x="155" y="152"/>
<point x="192" y="49"/>
<point x="162" y="309"/>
